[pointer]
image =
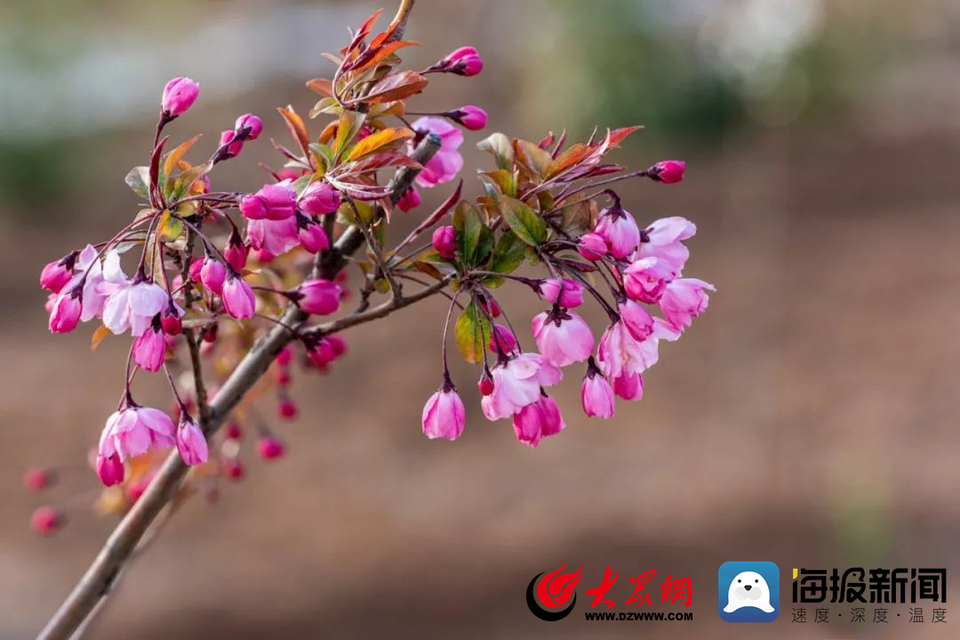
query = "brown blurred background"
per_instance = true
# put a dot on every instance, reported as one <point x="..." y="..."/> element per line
<point x="809" y="418"/>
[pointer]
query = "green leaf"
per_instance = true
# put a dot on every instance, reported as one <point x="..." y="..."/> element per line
<point x="139" y="180"/>
<point x="508" y="254"/>
<point x="468" y="226"/>
<point x="524" y="221"/>
<point x="472" y="333"/>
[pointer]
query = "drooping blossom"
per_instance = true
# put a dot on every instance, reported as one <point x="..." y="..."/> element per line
<point x="312" y="236"/>
<point x="516" y="383"/>
<point x="592" y="246"/>
<point x="596" y="394"/>
<point x="570" y="292"/>
<point x="502" y="339"/>
<point x="150" y="348"/>
<point x="65" y="314"/>
<point x="131" y="432"/>
<point x="170" y="319"/>
<point x="629" y="386"/>
<point x="238" y="298"/>
<point x="272" y="201"/>
<point x="540" y="419"/>
<point x="191" y="443"/>
<point x="130" y="304"/>
<point x="179" y="95"/>
<point x="563" y="338"/>
<point x="57" y="274"/>
<point x="619" y="352"/>
<point x="663" y="240"/>
<point x="212" y="274"/>
<point x="273" y="237"/>
<point x="667" y="171"/>
<point x="444" y="415"/>
<point x="447" y="162"/>
<point x="636" y="319"/>
<point x="236" y="252"/>
<point x="619" y="230"/>
<point x="645" y="279"/>
<point x="270" y="448"/>
<point x="409" y="200"/>
<point x="319" y="199"/>
<point x="683" y="300"/>
<point x="319" y="297"/>
<point x="444" y="240"/>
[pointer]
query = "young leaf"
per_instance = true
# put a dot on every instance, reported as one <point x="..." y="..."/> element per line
<point x="174" y="157"/>
<point x="379" y="140"/>
<point x="524" y="221"/>
<point x="347" y="127"/>
<point x="139" y="180"/>
<point x="471" y="333"/>
<point x="297" y="129"/>
<point x="468" y="225"/>
<point x="499" y="145"/>
<point x="397" y="86"/>
<point x="508" y="254"/>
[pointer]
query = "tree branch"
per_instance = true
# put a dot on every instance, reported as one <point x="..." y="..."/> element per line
<point x="97" y="581"/>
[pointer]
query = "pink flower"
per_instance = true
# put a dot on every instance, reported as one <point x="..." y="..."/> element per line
<point x="236" y="252"/>
<point x="191" y="444"/>
<point x="129" y="305"/>
<point x="93" y="281"/>
<point x="228" y="139"/>
<point x="150" y="348"/>
<point x="170" y="319"/>
<point x="179" y="95"/>
<point x="58" y="273"/>
<point x="596" y="394"/>
<point x="646" y="279"/>
<point x="212" y="274"/>
<point x="517" y="383"/>
<point x="65" y="314"/>
<point x="249" y="126"/>
<point x="685" y="299"/>
<point x="540" y="419"/>
<point x="629" y="386"/>
<point x="274" y="237"/>
<point x="502" y="339"/>
<point x="571" y="295"/>
<point x="409" y="200"/>
<point x="321" y="353"/>
<point x="312" y="236"/>
<point x="194" y="270"/>
<point x="319" y="199"/>
<point x="110" y="470"/>
<point x="471" y="117"/>
<point x="663" y="240"/>
<point x="464" y="61"/>
<point x="445" y="242"/>
<point x="270" y="448"/>
<point x="238" y="298"/>
<point x="134" y="430"/>
<point x="592" y="246"/>
<point x="620" y="231"/>
<point x="636" y="319"/>
<point x="562" y="338"/>
<point x="272" y="201"/>
<point x="620" y="353"/>
<point x="667" y="171"/>
<point x="319" y="297"/>
<point x="447" y="162"/>
<point x="443" y="414"/>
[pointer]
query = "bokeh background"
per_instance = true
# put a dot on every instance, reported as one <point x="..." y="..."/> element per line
<point x="809" y="418"/>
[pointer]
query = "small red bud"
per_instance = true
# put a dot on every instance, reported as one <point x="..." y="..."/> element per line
<point x="46" y="520"/>
<point x="287" y="409"/>
<point x="233" y="431"/>
<point x="270" y="448"/>
<point x="37" y="479"/>
<point x="485" y="385"/>
<point x="233" y="469"/>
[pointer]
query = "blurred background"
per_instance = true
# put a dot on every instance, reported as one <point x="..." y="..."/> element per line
<point x="808" y="418"/>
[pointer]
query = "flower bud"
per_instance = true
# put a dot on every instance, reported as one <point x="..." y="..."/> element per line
<point x="502" y="339"/>
<point x="285" y="357"/>
<point x="464" y="61"/>
<point x="444" y="415"/>
<point x="570" y="293"/>
<point x="485" y="385"/>
<point x="236" y="252"/>
<point x="46" y="520"/>
<point x="233" y="430"/>
<point x="170" y="320"/>
<point x="253" y="207"/>
<point x="179" y="95"/>
<point x="319" y="297"/>
<point x="409" y="200"/>
<point x="312" y="236"/>
<point x="228" y="139"/>
<point x="445" y="242"/>
<point x="287" y="409"/>
<point x="338" y="344"/>
<point x="58" y="273"/>
<point x="596" y="394"/>
<point x="270" y="448"/>
<point x="37" y="479"/>
<point x="592" y="246"/>
<point x="233" y="469"/>
<point x="65" y="314"/>
<point x="110" y="469"/>
<point x="195" y="266"/>
<point x="471" y="117"/>
<point x="150" y="348"/>
<point x="319" y="199"/>
<point x="667" y="171"/>
<point x="252" y="124"/>
<point x="238" y="298"/>
<point x="212" y="274"/>
<point x="191" y="443"/>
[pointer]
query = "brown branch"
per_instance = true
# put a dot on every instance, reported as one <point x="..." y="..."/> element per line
<point x="122" y="542"/>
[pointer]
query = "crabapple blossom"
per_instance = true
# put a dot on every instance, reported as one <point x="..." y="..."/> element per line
<point x="592" y="246"/>
<point x="179" y="95"/>
<point x="629" y="386"/>
<point x="272" y="201"/>
<point x="516" y="383"/>
<point x="319" y="199"/>
<point x="212" y="274"/>
<point x="191" y="443"/>
<point x="445" y="242"/>
<point x="250" y="125"/>
<point x="228" y="140"/>
<point x="270" y="448"/>
<point x="149" y="349"/>
<point x="58" y="273"/>
<point x="667" y="171"/>
<point x="134" y="430"/>
<point x="663" y="240"/>
<point x="46" y="520"/>
<point x="537" y="420"/>
<point x="502" y="339"/>
<point x="409" y="200"/>
<point x="238" y="298"/>
<point x="596" y="394"/>
<point x="619" y="230"/>
<point x="319" y="297"/>
<point x="470" y="117"/>
<point x="312" y="236"/>
<point x="443" y="414"/>
<point x="447" y="162"/>
<point x="570" y="292"/>
<point x="37" y="479"/>
<point x="636" y="319"/>
<point x="646" y="279"/>
<point x="236" y="252"/>
<point x="683" y="300"/>
<point x="464" y="61"/>
<point x="563" y="337"/>
<point x="65" y="314"/>
<point x="110" y="469"/>
<point x="275" y="237"/>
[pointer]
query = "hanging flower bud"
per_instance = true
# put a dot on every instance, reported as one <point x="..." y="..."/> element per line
<point x="636" y="319"/>
<point x="444" y="415"/>
<point x="620" y="231"/>
<point x="58" y="273"/>
<point x="194" y="271"/>
<point x="321" y="353"/>
<point x="65" y="314"/>
<point x="409" y="200"/>
<point x="271" y="202"/>
<point x="110" y="469"/>
<point x="485" y="384"/>
<point x="570" y="292"/>
<point x="318" y="297"/>
<point x="270" y="448"/>
<point x="645" y="280"/>
<point x="538" y="420"/>
<point x="150" y="348"/>
<point x="596" y="394"/>
<point x="233" y="430"/>
<point x="179" y="95"/>
<point x="191" y="443"/>
<point x="238" y="298"/>
<point x="445" y="242"/>
<point x="592" y="246"/>
<point x="563" y="338"/>
<point x="319" y="199"/>
<point x="236" y="252"/>
<point x="312" y="236"/>
<point x="667" y="171"/>
<point x="212" y="275"/>
<point x="471" y="117"/>
<point x="46" y="520"/>
<point x="170" y="319"/>
<point x="37" y="479"/>
<point x="286" y="408"/>
<point x="233" y="469"/>
<point x="502" y="339"/>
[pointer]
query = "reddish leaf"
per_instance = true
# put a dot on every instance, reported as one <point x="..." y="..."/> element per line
<point x="377" y="141"/>
<point x="297" y="129"/>
<point x="322" y="86"/>
<point x="397" y="86"/>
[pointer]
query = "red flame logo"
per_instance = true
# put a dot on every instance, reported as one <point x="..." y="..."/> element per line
<point x="554" y="591"/>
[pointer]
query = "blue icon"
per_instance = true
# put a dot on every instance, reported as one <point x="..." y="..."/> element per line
<point x="748" y="591"/>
